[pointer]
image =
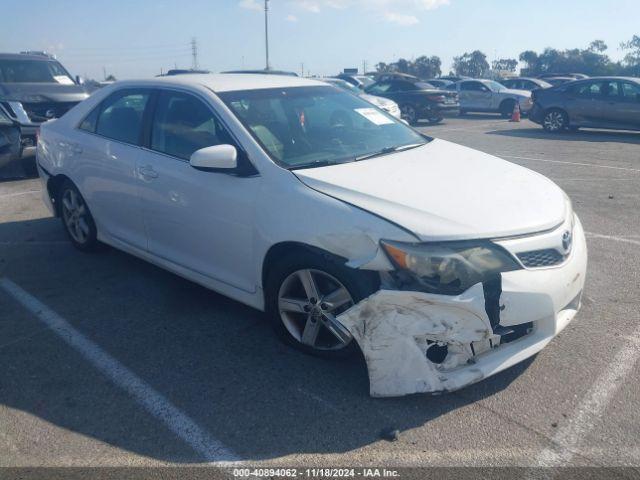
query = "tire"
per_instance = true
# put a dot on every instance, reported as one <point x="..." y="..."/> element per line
<point x="433" y="120"/>
<point x="305" y="320"/>
<point x="409" y="114"/>
<point x="77" y="219"/>
<point x="555" y="120"/>
<point x="462" y="113"/>
<point x="506" y="108"/>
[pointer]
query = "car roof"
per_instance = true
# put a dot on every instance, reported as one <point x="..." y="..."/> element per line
<point x="226" y="82"/>
<point x="25" y="56"/>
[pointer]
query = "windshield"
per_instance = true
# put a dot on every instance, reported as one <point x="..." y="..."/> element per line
<point x="494" y="86"/>
<point x="343" y="85"/>
<point x="304" y="127"/>
<point x="33" y="71"/>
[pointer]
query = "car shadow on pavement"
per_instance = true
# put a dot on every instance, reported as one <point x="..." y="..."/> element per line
<point x="213" y="358"/>
<point x="21" y="169"/>
<point x="578" y="136"/>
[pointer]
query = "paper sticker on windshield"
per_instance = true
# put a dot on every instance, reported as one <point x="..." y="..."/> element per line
<point x="374" y="116"/>
<point x="63" y="79"/>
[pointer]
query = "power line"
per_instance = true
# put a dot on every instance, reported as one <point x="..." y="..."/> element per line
<point x="194" y="53"/>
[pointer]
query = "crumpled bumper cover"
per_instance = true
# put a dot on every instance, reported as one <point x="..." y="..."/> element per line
<point x="394" y="329"/>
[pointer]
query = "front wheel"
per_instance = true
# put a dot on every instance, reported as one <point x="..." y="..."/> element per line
<point x="507" y="108"/>
<point x="555" y="121"/>
<point x="434" y="119"/>
<point x="305" y="293"/>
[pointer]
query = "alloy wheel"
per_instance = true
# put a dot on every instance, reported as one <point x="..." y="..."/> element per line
<point x="308" y="302"/>
<point x="408" y="113"/>
<point x="554" y="121"/>
<point x="74" y="213"/>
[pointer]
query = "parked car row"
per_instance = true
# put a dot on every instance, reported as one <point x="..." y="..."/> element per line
<point x="34" y="88"/>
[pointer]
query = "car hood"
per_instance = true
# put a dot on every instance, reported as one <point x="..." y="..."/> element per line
<point x="50" y="92"/>
<point x="444" y="191"/>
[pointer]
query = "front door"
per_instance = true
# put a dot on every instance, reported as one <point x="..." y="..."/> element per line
<point x="198" y="220"/>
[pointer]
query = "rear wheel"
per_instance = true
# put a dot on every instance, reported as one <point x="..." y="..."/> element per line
<point x="507" y="107"/>
<point x="305" y="293"/>
<point x="433" y="119"/>
<point x="555" y="120"/>
<point x="409" y="114"/>
<point x="77" y="219"/>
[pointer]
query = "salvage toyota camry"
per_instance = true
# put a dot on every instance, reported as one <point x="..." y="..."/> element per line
<point x="442" y="264"/>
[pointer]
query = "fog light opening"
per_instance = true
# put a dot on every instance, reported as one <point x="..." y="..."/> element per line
<point x="437" y="353"/>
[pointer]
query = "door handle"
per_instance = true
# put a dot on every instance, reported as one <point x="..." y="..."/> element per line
<point x="147" y="171"/>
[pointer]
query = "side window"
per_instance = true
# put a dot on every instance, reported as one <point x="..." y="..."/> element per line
<point x="380" y="87"/>
<point x="183" y="124"/>
<point x="610" y="89"/>
<point x="473" y="87"/>
<point x="121" y="116"/>
<point x="588" y="89"/>
<point x="630" y="92"/>
<point x="90" y="121"/>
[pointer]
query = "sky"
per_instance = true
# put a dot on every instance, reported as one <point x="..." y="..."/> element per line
<point x="141" y="38"/>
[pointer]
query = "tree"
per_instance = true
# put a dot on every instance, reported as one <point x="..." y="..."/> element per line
<point x="633" y="57"/>
<point x="472" y="64"/>
<point x="505" y="64"/>
<point x="422" y="67"/>
<point x="598" y="46"/>
<point x="530" y="58"/>
<point x="110" y="78"/>
<point x="427" y="67"/>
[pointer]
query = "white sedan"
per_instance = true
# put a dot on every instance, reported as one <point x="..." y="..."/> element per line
<point x="444" y="265"/>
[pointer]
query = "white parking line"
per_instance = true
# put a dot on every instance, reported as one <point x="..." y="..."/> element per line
<point x="18" y="194"/>
<point x="613" y="237"/>
<point x="548" y="160"/>
<point x="178" y="422"/>
<point x="567" y="439"/>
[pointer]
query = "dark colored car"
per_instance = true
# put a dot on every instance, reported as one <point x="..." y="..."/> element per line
<point x="10" y="147"/>
<point x="360" y="81"/>
<point x="602" y="102"/>
<point x="35" y="88"/>
<point x="265" y="72"/>
<point x="555" y="81"/>
<point x="575" y="76"/>
<point x="525" y="83"/>
<point x="439" y="82"/>
<point x="417" y="99"/>
<point x="183" y="71"/>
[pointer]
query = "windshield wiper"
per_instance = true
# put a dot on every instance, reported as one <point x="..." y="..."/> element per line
<point x="387" y="150"/>
<point x="317" y="163"/>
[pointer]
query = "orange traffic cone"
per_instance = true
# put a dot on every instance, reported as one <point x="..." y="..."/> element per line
<point x="515" y="116"/>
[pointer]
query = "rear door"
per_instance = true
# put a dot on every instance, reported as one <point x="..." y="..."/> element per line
<point x="105" y="170"/>
<point x="629" y="106"/>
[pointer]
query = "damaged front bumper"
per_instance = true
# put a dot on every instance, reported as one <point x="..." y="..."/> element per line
<point x="416" y="342"/>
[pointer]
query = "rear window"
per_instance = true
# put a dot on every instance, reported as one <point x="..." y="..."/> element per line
<point x="33" y="71"/>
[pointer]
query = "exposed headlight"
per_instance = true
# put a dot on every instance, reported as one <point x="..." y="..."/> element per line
<point x="449" y="268"/>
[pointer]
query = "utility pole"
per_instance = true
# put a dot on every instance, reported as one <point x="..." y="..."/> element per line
<point x="104" y="73"/>
<point x="194" y="53"/>
<point x="302" y="69"/>
<point x="266" y="33"/>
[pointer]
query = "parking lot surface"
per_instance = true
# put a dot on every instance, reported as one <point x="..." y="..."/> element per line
<point x="110" y="361"/>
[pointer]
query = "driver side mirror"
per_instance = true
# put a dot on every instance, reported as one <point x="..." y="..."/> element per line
<point x="218" y="158"/>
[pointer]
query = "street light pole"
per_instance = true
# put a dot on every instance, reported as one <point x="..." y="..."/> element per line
<point x="266" y="32"/>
